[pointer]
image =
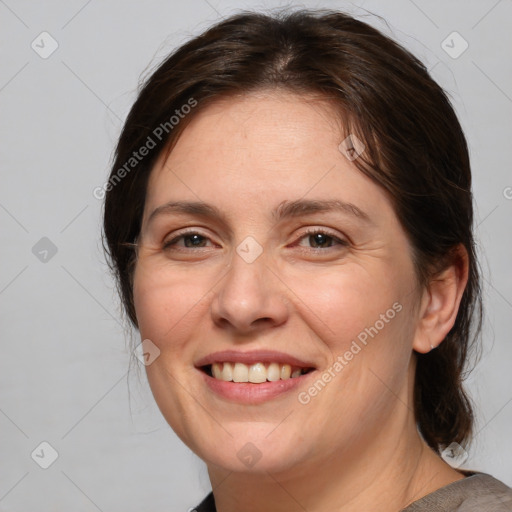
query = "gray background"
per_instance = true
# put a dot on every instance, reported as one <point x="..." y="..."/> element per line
<point x="65" y="353"/>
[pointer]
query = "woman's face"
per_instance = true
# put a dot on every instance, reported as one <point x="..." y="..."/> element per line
<point x="262" y="243"/>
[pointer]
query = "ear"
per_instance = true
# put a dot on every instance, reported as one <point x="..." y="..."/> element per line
<point x="440" y="303"/>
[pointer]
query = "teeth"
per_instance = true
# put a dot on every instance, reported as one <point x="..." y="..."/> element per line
<point x="273" y="372"/>
<point x="240" y="373"/>
<point x="216" y="371"/>
<point x="227" y="372"/>
<point x="255" y="373"/>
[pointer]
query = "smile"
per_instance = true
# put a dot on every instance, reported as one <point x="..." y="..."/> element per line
<point x="256" y="373"/>
<point x="253" y="377"/>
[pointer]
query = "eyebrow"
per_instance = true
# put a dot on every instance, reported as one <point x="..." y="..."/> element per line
<point x="285" y="209"/>
<point x="299" y="207"/>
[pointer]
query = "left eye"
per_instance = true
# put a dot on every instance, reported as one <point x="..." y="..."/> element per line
<point x="321" y="240"/>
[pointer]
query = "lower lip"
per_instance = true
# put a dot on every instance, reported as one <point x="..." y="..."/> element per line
<point x="250" y="393"/>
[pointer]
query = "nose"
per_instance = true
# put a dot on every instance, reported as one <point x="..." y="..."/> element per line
<point x="250" y="297"/>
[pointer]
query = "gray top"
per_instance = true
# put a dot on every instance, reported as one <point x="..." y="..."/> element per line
<point x="478" y="492"/>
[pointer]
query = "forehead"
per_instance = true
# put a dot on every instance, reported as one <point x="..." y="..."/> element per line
<point x="263" y="146"/>
<point x="273" y="125"/>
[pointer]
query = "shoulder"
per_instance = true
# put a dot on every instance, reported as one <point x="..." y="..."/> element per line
<point x="474" y="493"/>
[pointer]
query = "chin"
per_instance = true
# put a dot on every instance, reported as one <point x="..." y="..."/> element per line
<point x="250" y="451"/>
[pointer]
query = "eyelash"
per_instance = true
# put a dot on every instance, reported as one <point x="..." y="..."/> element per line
<point x="309" y="232"/>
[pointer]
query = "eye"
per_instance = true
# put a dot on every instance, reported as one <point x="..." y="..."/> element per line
<point x="317" y="239"/>
<point x="190" y="239"/>
<point x="320" y="239"/>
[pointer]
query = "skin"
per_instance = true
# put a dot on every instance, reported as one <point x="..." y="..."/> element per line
<point x="355" y="444"/>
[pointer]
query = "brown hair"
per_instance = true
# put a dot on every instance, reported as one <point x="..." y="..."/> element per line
<point x="415" y="150"/>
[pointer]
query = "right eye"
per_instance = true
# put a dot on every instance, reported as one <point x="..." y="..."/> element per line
<point x="190" y="239"/>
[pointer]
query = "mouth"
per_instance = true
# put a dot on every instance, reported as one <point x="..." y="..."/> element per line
<point x="253" y="377"/>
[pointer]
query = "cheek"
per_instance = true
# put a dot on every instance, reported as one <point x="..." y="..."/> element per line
<point x="347" y="303"/>
<point x="364" y="323"/>
<point x="168" y="304"/>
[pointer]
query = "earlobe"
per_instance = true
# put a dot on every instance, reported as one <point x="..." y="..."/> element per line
<point x="440" y="303"/>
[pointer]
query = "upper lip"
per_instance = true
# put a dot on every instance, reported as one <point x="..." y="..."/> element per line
<point x="252" y="357"/>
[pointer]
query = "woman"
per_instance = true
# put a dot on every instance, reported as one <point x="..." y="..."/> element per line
<point x="289" y="217"/>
